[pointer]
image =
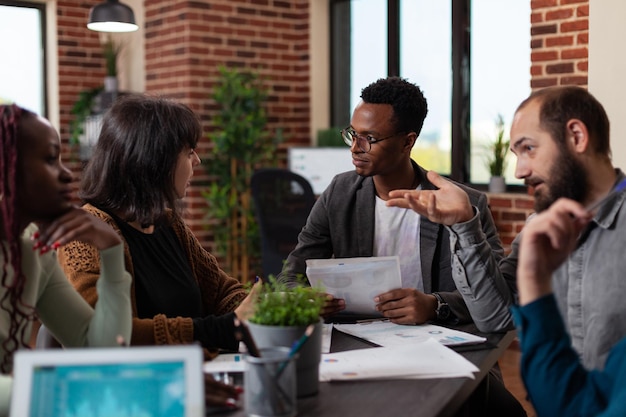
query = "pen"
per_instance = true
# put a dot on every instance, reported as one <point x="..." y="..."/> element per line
<point x="242" y="334"/>
<point x="619" y="187"/>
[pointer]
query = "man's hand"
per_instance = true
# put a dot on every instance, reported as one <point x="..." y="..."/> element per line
<point x="332" y="306"/>
<point x="448" y="205"/>
<point x="407" y="306"/>
<point x="546" y="242"/>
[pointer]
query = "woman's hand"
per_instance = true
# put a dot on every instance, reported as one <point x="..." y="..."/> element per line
<point x="75" y="224"/>
<point x="245" y="310"/>
<point x="218" y="394"/>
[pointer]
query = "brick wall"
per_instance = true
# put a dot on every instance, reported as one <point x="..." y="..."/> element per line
<point x="510" y="212"/>
<point x="559" y="42"/>
<point x="81" y="65"/>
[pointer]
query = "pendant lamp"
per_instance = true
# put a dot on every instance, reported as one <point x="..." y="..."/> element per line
<point x="112" y="16"/>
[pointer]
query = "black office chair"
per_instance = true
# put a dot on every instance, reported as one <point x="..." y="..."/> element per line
<point x="282" y="201"/>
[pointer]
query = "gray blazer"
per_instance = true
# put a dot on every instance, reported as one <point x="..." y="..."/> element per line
<point x="341" y="225"/>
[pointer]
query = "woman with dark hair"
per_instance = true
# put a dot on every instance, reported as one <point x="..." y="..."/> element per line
<point x="138" y="174"/>
<point x="37" y="215"/>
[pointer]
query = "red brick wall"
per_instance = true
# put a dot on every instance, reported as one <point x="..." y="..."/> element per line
<point x="559" y="42"/>
<point x="81" y="64"/>
<point x="510" y="212"/>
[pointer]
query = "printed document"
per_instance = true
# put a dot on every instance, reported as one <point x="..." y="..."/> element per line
<point x="426" y="359"/>
<point x="356" y="280"/>
<point x="386" y="333"/>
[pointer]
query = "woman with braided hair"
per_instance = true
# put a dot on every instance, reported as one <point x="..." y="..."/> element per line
<point x="37" y="216"/>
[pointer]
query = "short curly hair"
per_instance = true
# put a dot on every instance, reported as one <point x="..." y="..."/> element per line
<point x="408" y="102"/>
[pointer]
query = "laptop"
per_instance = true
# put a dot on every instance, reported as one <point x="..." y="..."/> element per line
<point x="155" y="381"/>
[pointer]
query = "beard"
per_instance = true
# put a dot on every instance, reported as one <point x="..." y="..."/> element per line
<point x="567" y="179"/>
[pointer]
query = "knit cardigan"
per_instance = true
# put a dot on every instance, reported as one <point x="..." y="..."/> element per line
<point x="220" y="293"/>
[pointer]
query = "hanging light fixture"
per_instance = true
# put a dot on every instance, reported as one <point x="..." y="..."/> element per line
<point x="112" y="16"/>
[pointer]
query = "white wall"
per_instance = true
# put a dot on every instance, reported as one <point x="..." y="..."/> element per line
<point x="607" y="68"/>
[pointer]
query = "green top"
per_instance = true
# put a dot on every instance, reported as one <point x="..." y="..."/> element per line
<point x="63" y="311"/>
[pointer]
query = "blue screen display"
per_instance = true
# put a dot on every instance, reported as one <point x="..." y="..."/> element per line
<point x="109" y="390"/>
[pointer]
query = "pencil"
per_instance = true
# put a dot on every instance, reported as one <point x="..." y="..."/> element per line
<point x="295" y="348"/>
<point x="619" y="187"/>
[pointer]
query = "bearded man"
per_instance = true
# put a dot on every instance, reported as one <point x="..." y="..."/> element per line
<point x="560" y="136"/>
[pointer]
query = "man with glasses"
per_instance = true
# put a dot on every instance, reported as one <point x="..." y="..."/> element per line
<point x="351" y="219"/>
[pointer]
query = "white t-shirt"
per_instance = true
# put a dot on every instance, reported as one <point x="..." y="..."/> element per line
<point x="397" y="232"/>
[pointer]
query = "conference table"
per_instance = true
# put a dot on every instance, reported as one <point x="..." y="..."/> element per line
<point x="401" y="397"/>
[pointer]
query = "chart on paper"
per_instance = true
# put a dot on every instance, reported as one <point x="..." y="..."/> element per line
<point x="386" y="333"/>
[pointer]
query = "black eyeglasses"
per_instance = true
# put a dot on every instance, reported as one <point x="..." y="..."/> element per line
<point x="364" y="143"/>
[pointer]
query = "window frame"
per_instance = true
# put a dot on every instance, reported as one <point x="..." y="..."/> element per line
<point x="41" y="7"/>
<point x="460" y="151"/>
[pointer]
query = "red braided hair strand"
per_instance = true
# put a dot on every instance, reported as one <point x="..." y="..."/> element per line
<point x="13" y="283"/>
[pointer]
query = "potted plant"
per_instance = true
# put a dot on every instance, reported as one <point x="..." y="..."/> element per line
<point x="241" y="143"/>
<point x="282" y="316"/>
<point x="496" y="158"/>
<point x="110" y="51"/>
<point x="84" y="107"/>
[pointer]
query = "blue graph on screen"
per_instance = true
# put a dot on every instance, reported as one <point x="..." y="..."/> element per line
<point x="120" y="390"/>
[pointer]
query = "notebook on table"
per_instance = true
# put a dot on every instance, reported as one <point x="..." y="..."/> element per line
<point x="154" y="381"/>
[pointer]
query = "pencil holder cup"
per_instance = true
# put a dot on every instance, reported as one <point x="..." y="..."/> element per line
<point x="309" y="356"/>
<point x="270" y="384"/>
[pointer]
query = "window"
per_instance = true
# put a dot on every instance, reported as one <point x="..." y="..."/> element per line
<point x="500" y="78"/>
<point x="23" y="79"/>
<point x="470" y="57"/>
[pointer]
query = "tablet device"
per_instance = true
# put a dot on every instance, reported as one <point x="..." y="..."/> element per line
<point x="157" y="381"/>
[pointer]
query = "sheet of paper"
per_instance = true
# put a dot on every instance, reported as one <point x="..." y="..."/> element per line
<point x="356" y="280"/>
<point x="386" y="333"/>
<point x="426" y="359"/>
<point x="225" y="362"/>
<point x="327" y="332"/>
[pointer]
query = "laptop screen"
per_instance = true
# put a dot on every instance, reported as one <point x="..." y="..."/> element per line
<point x="129" y="385"/>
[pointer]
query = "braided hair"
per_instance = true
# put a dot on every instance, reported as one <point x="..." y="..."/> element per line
<point x="12" y="277"/>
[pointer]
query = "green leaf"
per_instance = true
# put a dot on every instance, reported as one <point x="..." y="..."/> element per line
<point x="279" y="305"/>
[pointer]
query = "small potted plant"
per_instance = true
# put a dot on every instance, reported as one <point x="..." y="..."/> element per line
<point x="282" y="315"/>
<point x="111" y="51"/>
<point x="496" y="158"/>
